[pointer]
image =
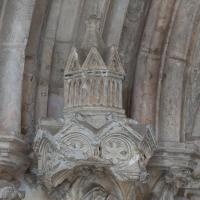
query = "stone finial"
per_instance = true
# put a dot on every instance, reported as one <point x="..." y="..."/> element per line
<point x="92" y="37"/>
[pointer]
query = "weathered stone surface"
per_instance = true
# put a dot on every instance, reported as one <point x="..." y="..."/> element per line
<point x="85" y="146"/>
<point x="15" y="24"/>
<point x="95" y="132"/>
<point x="9" y="191"/>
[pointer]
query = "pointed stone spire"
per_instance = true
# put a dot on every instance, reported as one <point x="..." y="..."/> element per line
<point x="92" y="37"/>
<point x="73" y="63"/>
<point x="114" y="61"/>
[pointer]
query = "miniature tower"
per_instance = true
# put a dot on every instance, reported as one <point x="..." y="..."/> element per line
<point x="93" y="75"/>
<point x="95" y="132"/>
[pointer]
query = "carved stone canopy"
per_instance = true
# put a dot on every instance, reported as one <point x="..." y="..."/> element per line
<point x="95" y="131"/>
<point x="116" y="145"/>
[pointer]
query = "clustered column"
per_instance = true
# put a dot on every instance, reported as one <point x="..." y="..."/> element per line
<point x="13" y="39"/>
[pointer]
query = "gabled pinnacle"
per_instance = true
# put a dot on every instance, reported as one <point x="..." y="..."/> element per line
<point x="92" y="37"/>
<point x="73" y="63"/>
<point x="94" y="60"/>
<point x="113" y="60"/>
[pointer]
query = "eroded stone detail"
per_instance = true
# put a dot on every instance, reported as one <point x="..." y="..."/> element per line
<point x="95" y="132"/>
<point x="115" y="145"/>
<point x="9" y="191"/>
<point x="91" y="183"/>
<point x="169" y="184"/>
<point x="95" y="141"/>
<point x="179" y="164"/>
<point x="13" y="151"/>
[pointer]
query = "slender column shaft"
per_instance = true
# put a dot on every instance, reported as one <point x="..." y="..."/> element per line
<point x="13" y="38"/>
<point x="14" y="31"/>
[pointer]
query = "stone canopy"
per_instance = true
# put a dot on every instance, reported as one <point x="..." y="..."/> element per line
<point x="95" y="131"/>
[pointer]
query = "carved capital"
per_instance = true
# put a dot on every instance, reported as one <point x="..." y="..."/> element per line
<point x="119" y="145"/>
<point x="186" y="156"/>
<point x="10" y="191"/>
<point x="179" y="177"/>
<point x="13" y="155"/>
<point x="13" y="162"/>
<point x="169" y="184"/>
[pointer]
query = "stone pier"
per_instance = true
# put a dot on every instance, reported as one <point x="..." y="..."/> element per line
<point x="15" y="24"/>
